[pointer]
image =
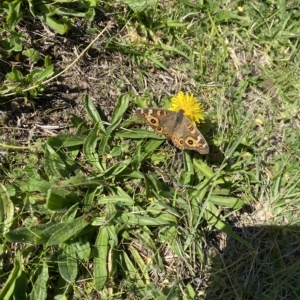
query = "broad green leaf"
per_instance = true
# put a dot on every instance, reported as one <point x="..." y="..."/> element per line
<point x="54" y="24"/>
<point x="202" y="167"/>
<point x="6" y="210"/>
<point x="66" y="140"/>
<point x="137" y="133"/>
<point x="55" y="165"/>
<point x="62" y="11"/>
<point x="174" y="49"/>
<point x="140" y="5"/>
<point x="82" y="247"/>
<point x="92" y="111"/>
<point x="33" y="185"/>
<point x="100" y="259"/>
<point x="61" y="199"/>
<point x="143" y="152"/>
<point x="146" y="239"/>
<point x="27" y="235"/>
<point x="67" y="262"/>
<point x="120" y="108"/>
<point x="14" y="75"/>
<point x="187" y="177"/>
<point x="150" y="55"/>
<point x="32" y="53"/>
<point x="70" y="214"/>
<point x="7" y="290"/>
<point x="48" y="72"/>
<point x="130" y="174"/>
<point x="159" y="188"/>
<point x="39" y="288"/>
<point x="14" y="14"/>
<point x="89" y="147"/>
<point x="231" y="202"/>
<point x="169" y="235"/>
<point x="118" y="200"/>
<point x="136" y="257"/>
<point x="141" y="220"/>
<point x="68" y="230"/>
<point x="132" y="272"/>
<point x="116" y="169"/>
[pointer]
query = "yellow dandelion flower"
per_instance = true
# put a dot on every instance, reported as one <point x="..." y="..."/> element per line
<point x="192" y="108"/>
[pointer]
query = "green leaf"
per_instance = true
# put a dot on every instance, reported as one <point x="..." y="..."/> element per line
<point x="31" y="53"/>
<point x="231" y="202"/>
<point x="92" y="111"/>
<point x="144" y="220"/>
<point x="89" y="147"/>
<point x="48" y="72"/>
<point x="137" y="133"/>
<point x="14" y="75"/>
<point x="6" y="210"/>
<point x="54" y="24"/>
<point x="39" y="288"/>
<point x="67" y="230"/>
<point x="34" y="185"/>
<point x="67" y="262"/>
<point x="120" y="108"/>
<point x="115" y="169"/>
<point x="140" y="5"/>
<point x="82" y="247"/>
<point x="27" y="235"/>
<point x="136" y="257"/>
<point x="7" y="290"/>
<point x="66" y="140"/>
<point x="61" y="199"/>
<point x="132" y="272"/>
<point x="100" y="258"/>
<point x="118" y="200"/>
<point x="14" y="14"/>
<point x="210" y="214"/>
<point x="55" y="167"/>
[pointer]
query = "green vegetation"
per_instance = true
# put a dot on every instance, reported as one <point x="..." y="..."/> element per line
<point x="109" y="210"/>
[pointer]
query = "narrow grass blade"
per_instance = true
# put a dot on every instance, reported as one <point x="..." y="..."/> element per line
<point x="210" y="214"/>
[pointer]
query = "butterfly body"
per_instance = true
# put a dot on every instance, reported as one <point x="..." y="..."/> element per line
<point x="178" y="128"/>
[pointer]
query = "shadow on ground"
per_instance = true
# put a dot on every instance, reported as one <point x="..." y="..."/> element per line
<point x="270" y="270"/>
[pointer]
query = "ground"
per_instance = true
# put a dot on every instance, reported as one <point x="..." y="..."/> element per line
<point x="222" y="222"/>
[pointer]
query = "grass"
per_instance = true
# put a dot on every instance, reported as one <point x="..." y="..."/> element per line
<point x="104" y="208"/>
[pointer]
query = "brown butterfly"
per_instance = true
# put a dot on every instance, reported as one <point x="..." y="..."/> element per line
<point x="176" y="127"/>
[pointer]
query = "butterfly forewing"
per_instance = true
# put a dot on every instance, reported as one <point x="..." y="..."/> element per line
<point x="176" y="127"/>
